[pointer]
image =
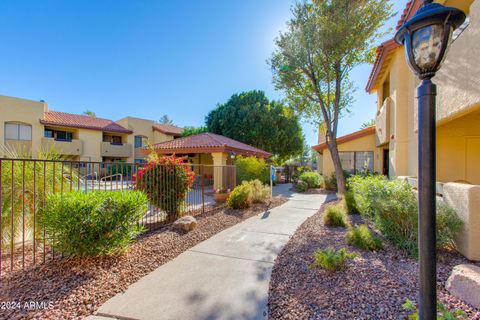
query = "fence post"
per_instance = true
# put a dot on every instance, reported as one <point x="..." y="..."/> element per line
<point x="202" y="170"/>
<point x="271" y="181"/>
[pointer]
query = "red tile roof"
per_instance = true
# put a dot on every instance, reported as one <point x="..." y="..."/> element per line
<point x="63" y="119"/>
<point x="208" y="143"/>
<point x="168" y="129"/>
<point x="385" y="48"/>
<point x="349" y="137"/>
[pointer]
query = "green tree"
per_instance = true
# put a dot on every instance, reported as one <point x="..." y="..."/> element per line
<point x="89" y="113"/>
<point x="190" y="131"/>
<point x="250" y="117"/>
<point x="324" y="41"/>
<point x="165" y="120"/>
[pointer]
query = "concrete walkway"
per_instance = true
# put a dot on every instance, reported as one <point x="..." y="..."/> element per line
<point x="224" y="277"/>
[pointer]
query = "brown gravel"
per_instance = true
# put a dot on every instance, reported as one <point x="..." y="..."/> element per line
<point x="374" y="286"/>
<point x="77" y="287"/>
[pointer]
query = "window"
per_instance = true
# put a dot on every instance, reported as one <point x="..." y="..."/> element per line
<point x="138" y="141"/>
<point x="117" y="140"/>
<point x="48" y="133"/>
<point x="17" y="131"/>
<point x="63" y="136"/>
<point x="358" y="161"/>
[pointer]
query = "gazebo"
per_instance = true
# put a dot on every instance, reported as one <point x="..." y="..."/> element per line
<point x="213" y="150"/>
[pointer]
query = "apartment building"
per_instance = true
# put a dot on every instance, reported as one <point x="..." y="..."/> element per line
<point x="29" y="126"/>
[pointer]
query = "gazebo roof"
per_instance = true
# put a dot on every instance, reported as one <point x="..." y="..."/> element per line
<point x="208" y="143"/>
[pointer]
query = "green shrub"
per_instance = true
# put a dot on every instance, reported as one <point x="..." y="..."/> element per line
<point x="260" y="192"/>
<point x="301" y="186"/>
<point x="331" y="259"/>
<point x="331" y="182"/>
<point x="167" y="182"/>
<point x="298" y="172"/>
<point x="240" y="197"/>
<point x="313" y="179"/>
<point x="393" y="207"/>
<point x="251" y="168"/>
<point x="94" y="223"/>
<point x="363" y="238"/>
<point x="442" y="312"/>
<point x="335" y="216"/>
<point x="350" y="204"/>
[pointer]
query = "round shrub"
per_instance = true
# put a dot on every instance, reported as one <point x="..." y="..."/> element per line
<point x="313" y="179"/>
<point x="94" y="223"/>
<point x="240" y="197"/>
<point x="363" y="238"/>
<point x="260" y="192"/>
<point x="301" y="186"/>
<point x="335" y="216"/>
<point x="166" y="181"/>
<point x="251" y="168"/>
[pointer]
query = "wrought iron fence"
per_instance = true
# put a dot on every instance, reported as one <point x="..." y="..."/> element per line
<point x="25" y="185"/>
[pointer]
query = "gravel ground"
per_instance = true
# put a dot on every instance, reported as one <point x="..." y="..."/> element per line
<point x="374" y="286"/>
<point x="75" y="288"/>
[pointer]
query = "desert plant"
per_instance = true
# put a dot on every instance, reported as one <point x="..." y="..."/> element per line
<point x="331" y="182"/>
<point x="335" y="216"/>
<point x="442" y="312"/>
<point x="240" y="197"/>
<point x="301" y="186"/>
<point x="331" y="259"/>
<point x="313" y="179"/>
<point x="251" y="168"/>
<point x="26" y="184"/>
<point x="166" y="181"/>
<point x="363" y="238"/>
<point x="93" y="223"/>
<point x="349" y="201"/>
<point x="448" y="225"/>
<point x="260" y="192"/>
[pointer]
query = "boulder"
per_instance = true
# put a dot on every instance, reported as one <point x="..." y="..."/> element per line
<point x="464" y="283"/>
<point x="185" y="223"/>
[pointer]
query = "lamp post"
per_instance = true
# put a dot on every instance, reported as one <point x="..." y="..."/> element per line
<point x="426" y="38"/>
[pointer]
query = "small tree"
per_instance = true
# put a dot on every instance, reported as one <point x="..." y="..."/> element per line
<point x="89" y="113"/>
<point x="165" y="120"/>
<point x="166" y="181"/>
<point x="325" y="40"/>
<point x="190" y="131"/>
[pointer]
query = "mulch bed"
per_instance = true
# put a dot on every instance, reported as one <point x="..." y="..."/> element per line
<point x="374" y="285"/>
<point x="74" y="288"/>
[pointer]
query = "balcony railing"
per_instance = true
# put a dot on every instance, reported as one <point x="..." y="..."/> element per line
<point x="108" y="149"/>
<point x="382" y="123"/>
<point x="72" y="147"/>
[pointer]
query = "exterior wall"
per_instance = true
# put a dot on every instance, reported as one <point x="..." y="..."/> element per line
<point x="22" y="111"/>
<point x="159" y="137"/>
<point x="367" y="143"/>
<point x="91" y="145"/>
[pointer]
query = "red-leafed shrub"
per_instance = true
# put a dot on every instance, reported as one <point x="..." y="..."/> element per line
<point x="166" y="181"/>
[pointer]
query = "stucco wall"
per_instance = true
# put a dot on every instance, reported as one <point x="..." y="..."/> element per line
<point x="23" y="111"/>
<point x="366" y="143"/>
<point x="91" y="145"/>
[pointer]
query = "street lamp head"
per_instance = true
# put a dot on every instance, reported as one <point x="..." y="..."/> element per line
<point x="427" y="35"/>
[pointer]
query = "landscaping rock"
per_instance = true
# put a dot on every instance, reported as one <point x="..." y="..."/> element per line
<point x="185" y="223"/>
<point x="464" y="283"/>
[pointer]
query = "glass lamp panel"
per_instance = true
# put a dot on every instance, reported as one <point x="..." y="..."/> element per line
<point x="427" y="46"/>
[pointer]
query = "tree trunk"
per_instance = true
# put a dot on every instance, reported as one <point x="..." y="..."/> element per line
<point x="332" y="146"/>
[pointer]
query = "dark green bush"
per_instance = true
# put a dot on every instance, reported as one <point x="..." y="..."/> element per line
<point x="301" y="186"/>
<point x="331" y="259"/>
<point x="251" y="168"/>
<point x="94" y="223"/>
<point x="298" y="172"/>
<point x="335" y="216"/>
<point x="350" y="204"/>
<point x="313" y="179"/>
<point x="363" y="238"/>
<point x="393" y="207"/>
<point x="240" y="197"/>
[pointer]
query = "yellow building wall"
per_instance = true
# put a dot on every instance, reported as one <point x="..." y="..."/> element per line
<point x="91" y="145"/>
<point x="23" y="111"/>
<point x="367" y="143"/>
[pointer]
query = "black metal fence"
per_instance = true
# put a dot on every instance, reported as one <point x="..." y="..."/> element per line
<point x="25" y="185"/>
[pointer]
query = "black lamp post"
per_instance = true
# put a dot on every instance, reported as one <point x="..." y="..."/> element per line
<point x="426" y="38"/>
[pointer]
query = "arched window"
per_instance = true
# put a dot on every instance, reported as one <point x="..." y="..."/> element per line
<point x="18" y="131"/>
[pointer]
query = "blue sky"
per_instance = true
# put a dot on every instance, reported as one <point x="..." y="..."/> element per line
<point x="147" y="58"/>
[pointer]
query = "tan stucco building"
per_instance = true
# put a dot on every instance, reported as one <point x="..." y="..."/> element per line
<point x="30" y="127"/>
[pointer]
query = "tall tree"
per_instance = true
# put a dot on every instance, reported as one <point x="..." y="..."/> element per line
<point x="165" y="120"/>
<point x="367" y="124"/>
<point x="190" y="131"/>
<point x="324" y="41"/>
<point x="89" y="113"/>
<point x="250" y="117"/>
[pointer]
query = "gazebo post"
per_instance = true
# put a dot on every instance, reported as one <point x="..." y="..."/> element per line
<point x="219" y="163"/>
